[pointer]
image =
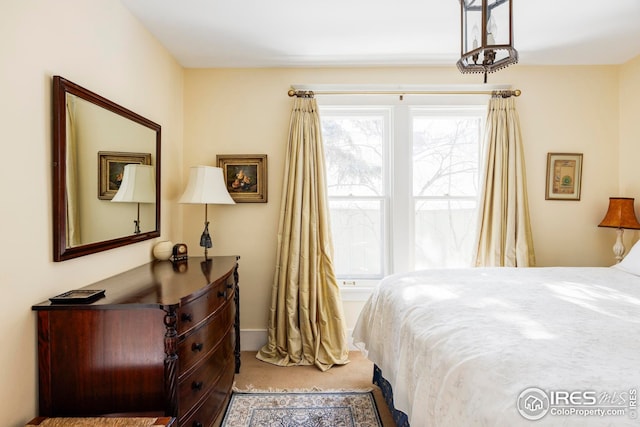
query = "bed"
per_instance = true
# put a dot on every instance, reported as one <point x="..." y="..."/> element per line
<point x="508" y="346"/>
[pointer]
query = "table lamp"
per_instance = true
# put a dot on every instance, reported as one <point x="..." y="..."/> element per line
<point x="206" y="186"/>
<point x="137" y="186"/>
<point x="620" y="215"/>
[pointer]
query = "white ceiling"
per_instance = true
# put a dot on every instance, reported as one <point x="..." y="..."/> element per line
<point x="305" y="33"/>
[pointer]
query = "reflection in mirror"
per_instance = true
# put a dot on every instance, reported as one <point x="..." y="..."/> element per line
<point x="137" y="186"/>
<point x="94" y="139"/>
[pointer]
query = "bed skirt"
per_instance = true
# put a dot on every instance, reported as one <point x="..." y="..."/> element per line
<point x="399" y="417"/>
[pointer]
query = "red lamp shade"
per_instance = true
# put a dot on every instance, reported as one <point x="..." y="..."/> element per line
<point x="620" y="214"/>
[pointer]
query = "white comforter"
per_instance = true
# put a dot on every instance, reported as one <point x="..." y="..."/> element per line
<point x="459" y="346"/>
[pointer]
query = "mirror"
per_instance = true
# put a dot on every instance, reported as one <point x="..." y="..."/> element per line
<point x="93" y="140"/>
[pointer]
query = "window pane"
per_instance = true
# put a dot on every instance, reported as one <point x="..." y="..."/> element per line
<point x="354" y="155"/>
<point x="444" y="233"/>
<point x="445" y="156"/>
<point x="357" y="237"/>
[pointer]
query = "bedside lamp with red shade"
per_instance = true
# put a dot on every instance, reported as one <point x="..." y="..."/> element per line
<point x="620" y="215"/>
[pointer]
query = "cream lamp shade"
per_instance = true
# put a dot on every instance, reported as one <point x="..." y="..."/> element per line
<point x="620" y="214"/>
<point x="138" y="186"/>
<point x="206" y="186"/>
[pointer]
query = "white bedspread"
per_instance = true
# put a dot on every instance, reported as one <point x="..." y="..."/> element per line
<point x="459" y="346"/>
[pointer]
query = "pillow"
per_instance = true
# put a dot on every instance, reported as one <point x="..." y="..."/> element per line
<point x="631" y="262"/>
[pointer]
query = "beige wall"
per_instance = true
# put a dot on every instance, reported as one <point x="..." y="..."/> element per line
<point x="571" y="110"/>
<point x="630" y="128"/>
<point x="99" y="45"/>
<point x="246" y="111"/>
<point x="629" y="149"/>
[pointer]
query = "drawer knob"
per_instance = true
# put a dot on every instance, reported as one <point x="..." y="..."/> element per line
<point x="222" y="294"/>
<point x="186" y="317"/>
<point x="229" y="285"/>
<point x="196" y="385"/>
<point x="197" y="424"/>
<point x="196" y="346"/>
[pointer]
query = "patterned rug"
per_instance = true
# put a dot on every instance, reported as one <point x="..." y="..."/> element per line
<point x="312" y="409"/>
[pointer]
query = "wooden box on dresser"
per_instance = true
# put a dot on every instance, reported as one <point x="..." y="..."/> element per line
<point x="164" y="340"/>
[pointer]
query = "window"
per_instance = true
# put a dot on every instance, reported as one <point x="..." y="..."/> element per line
<point x="356" y="150"/>
<point x="445" y="161"/>
<point x="403" y="184"/>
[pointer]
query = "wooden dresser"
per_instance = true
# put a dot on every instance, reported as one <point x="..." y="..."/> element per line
<point x="164" y="340"/>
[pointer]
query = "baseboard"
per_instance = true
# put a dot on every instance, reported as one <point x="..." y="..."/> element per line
<point x="252" y="339"/>
<point x="255" y="339"/>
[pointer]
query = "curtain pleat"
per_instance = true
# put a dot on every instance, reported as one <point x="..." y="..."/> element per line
<point x="504" y="236"/>
<point x="306" y="321"/>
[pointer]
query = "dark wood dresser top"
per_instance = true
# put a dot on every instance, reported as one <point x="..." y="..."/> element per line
<point x="155" y="284"/>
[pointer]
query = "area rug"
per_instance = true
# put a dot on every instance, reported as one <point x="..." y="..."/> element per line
<point x="311" y="409"/>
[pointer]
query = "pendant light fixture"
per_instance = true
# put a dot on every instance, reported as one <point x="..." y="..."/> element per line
<point x="486" y="36"/>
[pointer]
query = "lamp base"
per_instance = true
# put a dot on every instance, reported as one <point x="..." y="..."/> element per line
<point x="618" y="248"/>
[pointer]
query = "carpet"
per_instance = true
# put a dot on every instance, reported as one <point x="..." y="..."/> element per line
<point x="309" y="409"/>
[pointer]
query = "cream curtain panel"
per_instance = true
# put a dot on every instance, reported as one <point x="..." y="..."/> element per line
<point x="504" y="230"/>
<point x="306" y="322"/>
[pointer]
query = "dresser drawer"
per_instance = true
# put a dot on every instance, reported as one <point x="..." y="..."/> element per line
<point x="207" y="376"/>
<point x="199" y="343"/>
<point x="196" y="311"/>
<point x="209" y="410"/>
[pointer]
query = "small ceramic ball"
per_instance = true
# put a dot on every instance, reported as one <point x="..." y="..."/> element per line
<point x="163" y="250"/>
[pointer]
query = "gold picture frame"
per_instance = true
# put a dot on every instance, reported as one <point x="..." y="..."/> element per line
<point x="245" y="176"/>
<point x="564" y="176"/>
<point x="111" y="168"/>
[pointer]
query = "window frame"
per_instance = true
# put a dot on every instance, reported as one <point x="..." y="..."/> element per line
<point x="399" y="208"/>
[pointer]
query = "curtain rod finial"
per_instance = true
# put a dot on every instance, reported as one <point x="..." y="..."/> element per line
<point x="300" y="93"/>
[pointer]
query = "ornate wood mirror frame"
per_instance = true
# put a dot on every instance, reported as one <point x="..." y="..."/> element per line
<point x="115" y="125"/>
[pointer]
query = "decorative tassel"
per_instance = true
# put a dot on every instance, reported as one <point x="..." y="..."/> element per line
<point x="205" y="239"/>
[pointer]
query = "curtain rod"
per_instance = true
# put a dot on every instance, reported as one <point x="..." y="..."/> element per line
<point x="310" y="93"/>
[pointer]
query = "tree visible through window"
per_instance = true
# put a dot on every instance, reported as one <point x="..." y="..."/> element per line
<point x="354" y="150"/>
<point x="445" y="189"/>
<point x="403" y="186"/>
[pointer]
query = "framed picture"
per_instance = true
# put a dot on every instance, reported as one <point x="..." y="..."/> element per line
<point x="564" y="176"/>
<point x="111" y="168"/>
<point x="245" y="176"/>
